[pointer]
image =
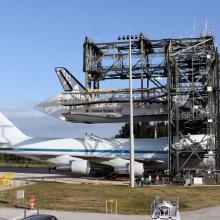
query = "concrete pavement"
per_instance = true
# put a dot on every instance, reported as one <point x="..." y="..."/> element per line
<point x="212" y="213"/>
<point x="16" y="214"/>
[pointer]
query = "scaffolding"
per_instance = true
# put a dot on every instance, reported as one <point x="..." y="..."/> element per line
<point x="193" y="103"/>
<point x="108" y="61"/>
<point x="179" y="73"/>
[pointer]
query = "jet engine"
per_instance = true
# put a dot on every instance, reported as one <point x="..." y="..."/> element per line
<point x="77" y="167"/>
<point x="80" y="167"/>
<point x="138" y="169"/>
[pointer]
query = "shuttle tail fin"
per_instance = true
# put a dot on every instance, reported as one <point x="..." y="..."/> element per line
<point x="68" y="81"/>
<point x="9" y="133"/>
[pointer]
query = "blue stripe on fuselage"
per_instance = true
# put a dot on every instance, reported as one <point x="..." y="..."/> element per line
<point x="80" y="150"/>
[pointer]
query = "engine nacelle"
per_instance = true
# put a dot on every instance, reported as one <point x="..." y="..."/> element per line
<point x="63" y="168"/>
<point x="138" y="169"/>
<point x="80" y="167"/>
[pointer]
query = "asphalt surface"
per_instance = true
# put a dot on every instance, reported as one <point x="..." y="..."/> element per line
<point x="17" y="214"/>
<point x="212" y="213"/>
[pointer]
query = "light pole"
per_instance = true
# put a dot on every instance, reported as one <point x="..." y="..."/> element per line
<point x="131" y="119"/>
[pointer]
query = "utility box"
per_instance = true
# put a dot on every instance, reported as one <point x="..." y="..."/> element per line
<point x="197" y="180"/>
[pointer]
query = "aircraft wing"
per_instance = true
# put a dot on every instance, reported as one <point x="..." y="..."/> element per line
<point x="63" y="159"/>
<point x="109" y="161"/>
<point x="118" y="165"/>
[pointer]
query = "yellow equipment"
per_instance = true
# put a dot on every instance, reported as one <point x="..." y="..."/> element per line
<point x="6" y="179"/>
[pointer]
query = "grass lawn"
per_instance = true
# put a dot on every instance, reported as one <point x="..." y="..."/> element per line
<point x="92" y="198"/>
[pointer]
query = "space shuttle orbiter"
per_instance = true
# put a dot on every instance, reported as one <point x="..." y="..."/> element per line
<point x="76" y="105"/>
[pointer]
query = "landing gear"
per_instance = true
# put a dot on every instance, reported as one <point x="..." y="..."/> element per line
<point x="110" y="176"/>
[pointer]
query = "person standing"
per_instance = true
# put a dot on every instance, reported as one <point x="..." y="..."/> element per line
<point x="157" y="179"/>
<point x="142" y="181"/>
<point x="149" y="179"/>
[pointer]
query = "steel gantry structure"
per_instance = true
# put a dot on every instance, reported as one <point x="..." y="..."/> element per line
<point x="181" y="73"/>
<point x="193" y="103"/>
<point x="108" y="61"/>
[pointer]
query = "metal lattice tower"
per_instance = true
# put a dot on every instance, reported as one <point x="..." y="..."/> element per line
<point x="107" y="61"/>
<point x="180" y="73"/>
<point x="193" y="102"/>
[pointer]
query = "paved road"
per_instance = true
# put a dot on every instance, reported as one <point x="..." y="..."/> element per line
<point x="16" y="214"/>
<point x="212" y="213"/>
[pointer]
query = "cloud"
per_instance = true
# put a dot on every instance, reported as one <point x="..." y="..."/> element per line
<point x="25" y="110"/>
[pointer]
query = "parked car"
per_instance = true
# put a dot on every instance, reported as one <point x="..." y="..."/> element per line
<point x="41" y="217"/>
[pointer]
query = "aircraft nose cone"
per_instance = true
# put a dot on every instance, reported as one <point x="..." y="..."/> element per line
<point x="49" y="106"/>
<point x="43" y="106"/>
<point x="40" y="106"/>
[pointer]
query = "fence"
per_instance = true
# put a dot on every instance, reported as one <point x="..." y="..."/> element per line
<point x="101" y="203"/>
<point x="53" y="202"/>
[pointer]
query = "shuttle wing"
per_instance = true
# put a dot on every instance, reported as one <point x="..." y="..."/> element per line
<point x="68" y="81"/>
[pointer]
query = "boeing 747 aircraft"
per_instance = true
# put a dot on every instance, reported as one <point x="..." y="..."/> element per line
<point x="80" y="156"/>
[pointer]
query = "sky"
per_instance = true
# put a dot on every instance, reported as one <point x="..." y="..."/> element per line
<point x="38" y="35"/>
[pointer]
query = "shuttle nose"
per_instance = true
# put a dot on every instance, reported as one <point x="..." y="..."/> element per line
<point x="49" y="106"/>
<point x="40" y="106"/>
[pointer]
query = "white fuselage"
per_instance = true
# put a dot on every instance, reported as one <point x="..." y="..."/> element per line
<point x="90" y="147"/>
<point x="113" y="152"/>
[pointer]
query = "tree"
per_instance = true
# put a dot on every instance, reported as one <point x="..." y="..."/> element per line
<point x="143" y="129"/>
